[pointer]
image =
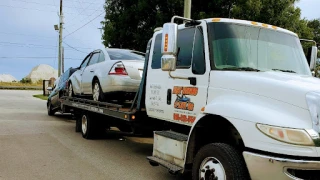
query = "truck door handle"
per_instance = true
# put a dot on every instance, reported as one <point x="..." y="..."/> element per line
<point x="169" y="94"/>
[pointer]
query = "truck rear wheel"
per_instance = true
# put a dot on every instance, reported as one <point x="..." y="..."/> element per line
<point x="91" y="126"/>
<point x="87" y="127"/>
<point x="219" y="161"/>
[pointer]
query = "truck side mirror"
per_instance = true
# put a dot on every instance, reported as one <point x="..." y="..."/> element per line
<point x="169" y="47"/>
<point x="49" y="89"/>
<point x="312" y="57"/>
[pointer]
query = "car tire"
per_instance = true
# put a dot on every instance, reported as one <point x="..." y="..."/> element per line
<point x="49" y="108"/>
<point x="70" y="90"/>
<point x="97" y="94"/>
<point x="219" y="161"/>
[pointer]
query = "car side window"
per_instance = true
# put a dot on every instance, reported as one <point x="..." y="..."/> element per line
<point x="85" y="62"/>
<point x="101" y="57"/>
<point x="94" y="59"/>
<point x="185" y="46"/>
<point x="156" y="57"/>
<point x="198" y="58"/>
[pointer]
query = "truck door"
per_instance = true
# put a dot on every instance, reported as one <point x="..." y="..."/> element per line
<point x="175" y="98"/>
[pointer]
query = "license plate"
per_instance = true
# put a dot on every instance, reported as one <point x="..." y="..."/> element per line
<point x="140" y="72"/>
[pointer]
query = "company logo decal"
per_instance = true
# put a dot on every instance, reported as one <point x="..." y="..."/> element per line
<point x="183" y="101"/>
<point x="183" y="104"/>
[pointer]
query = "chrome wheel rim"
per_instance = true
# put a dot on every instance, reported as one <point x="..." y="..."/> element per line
<point x="84" y="124"/>
<point x="211" y="169"/>
<point x="96" y="92"/>
<point x="70" y="90"/>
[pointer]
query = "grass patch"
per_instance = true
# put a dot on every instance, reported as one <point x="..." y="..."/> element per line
<point x="20" y="84"/>
<point x="40" y="96"/>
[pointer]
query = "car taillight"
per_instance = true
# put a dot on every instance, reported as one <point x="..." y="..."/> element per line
<point x="118" y="69"/>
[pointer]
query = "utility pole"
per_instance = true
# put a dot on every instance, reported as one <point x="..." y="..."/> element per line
<point x="60" y="40"/>
<point x="187" y="9"/>
<point x="62" y="60"/>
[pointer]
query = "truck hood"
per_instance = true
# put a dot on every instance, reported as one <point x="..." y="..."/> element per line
<point x="286" y="87"/>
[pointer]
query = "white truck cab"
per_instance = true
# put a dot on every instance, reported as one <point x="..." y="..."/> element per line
<point x="245" y="94"/>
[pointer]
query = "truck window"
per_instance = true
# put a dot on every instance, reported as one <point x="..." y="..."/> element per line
<point x="156" y="57"/>
<point x="185" y="45"/>
<point x="198" y="58"/>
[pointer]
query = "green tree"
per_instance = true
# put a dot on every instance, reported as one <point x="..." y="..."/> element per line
<point x="315" y="26"/>
<point x="130" y="24"/>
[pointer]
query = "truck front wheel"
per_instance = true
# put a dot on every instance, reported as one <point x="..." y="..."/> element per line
<point x="219" y="161"/>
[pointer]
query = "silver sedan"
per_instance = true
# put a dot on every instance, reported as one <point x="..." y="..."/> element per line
<point x="108" y="74"/>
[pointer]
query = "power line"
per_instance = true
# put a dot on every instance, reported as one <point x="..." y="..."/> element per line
<point x="18" y="34"/>
<point x="4" y="57"/>
<point x="81" y="2"/>
<point x="38" y="45"/>
<point x="31" y="2"/>
<point x="82" y="26"/>
<point x="88" y="16"/>
<point x="75" y="48"/>
<point x="36" y="36"/>
<point x="35" y="9"/>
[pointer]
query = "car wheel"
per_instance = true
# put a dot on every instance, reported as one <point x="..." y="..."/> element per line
<point x="49" y="108"/>
<point x="97" y="94"/>
<point x="219" y="161"/>
<point x="70" y="90"/>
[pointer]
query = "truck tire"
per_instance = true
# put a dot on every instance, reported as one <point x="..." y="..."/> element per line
<point x="219" y="161"/>
<point x="87" y="126"/>
<point x="91" y="126"/>
<point x="49" y="108"/>
<point x="78" y="124"/>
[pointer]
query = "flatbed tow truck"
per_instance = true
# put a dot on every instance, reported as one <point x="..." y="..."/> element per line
<point x="223" y="99"/>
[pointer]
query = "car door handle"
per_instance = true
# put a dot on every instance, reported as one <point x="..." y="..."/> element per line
<point x="91" y="70"/>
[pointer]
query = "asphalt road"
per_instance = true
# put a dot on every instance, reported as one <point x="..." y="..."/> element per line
<point x="36" y="146"/>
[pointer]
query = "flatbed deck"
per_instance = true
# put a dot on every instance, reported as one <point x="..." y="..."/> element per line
<point x="123" y="112"/>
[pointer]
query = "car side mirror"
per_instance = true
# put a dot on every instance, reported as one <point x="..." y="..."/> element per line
<point x="49" y="88"/>
<point x="169" y="47"/>
<point x="312" y="57"/>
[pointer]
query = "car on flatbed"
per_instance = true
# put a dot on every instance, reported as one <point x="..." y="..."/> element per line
<point x="108" y="74"/>
<point x="58" y="90"/>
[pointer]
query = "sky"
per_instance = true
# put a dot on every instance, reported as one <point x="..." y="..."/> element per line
<point x="28" y="38"/>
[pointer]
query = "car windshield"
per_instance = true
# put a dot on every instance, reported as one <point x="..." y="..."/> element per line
<point x="249" y="48"/>
<point x="117" y="54"/>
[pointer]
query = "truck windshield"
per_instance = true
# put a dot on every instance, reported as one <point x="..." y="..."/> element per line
<point x="249" y="48"/>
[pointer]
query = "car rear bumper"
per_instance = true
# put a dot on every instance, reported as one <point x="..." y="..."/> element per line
<point x="121" y="84"/>
<point x="269" y="167"/>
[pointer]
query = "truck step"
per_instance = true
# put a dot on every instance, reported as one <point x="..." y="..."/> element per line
<point x="173" y="169"/>
<point x="172" y="135"/>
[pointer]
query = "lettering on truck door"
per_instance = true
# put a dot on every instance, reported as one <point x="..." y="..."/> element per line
<point x="181" y="101"/>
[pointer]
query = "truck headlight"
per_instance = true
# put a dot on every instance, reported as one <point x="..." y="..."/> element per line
<point x="287" y="135"/>
<point x="313" y="101"/>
